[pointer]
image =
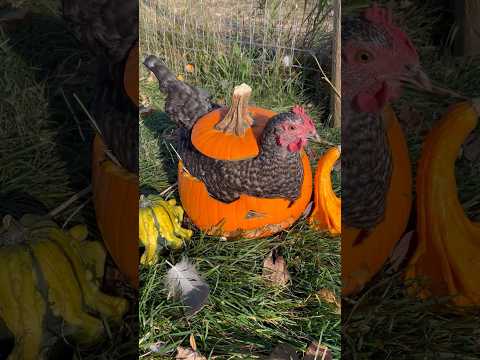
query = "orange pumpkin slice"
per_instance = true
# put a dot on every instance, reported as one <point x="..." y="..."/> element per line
<point x="448" y="252"/>
<point x="231" y="134"/>
<point x="115" y="197"/>
<point x="327" y="211"/>
<point x="249" y="217"/>
<point x="360" y="262"/>
<point x="130" y="77"/>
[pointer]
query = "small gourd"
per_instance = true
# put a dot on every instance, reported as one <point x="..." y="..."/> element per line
<point x="448" y="251"/>
<point x="160" y="224"/>
<point x="50" y="276"/>
<point x="327" y="206"/>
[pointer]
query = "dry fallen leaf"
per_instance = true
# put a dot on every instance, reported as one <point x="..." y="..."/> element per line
<point x="400" y="251"/>
<point x="188" y="354"/>
<point x="180" y="77"/>
<point x="275" y="269"/>
<point x="318" y="352"/>
<point x="283" y="352"/>
<point x="329" y="296"/>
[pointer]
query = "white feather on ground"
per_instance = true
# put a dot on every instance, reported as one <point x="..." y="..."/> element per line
<point x="183" y="282"/>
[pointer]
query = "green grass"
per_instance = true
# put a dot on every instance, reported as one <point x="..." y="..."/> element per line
<point x="245" y="317"/>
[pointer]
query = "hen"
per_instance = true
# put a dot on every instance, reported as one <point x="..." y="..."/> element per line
<point x="109" y="30"/>
<point x="276" y="172"/>
<point x="377" y="57"/>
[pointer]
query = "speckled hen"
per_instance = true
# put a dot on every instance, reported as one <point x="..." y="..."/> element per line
<point x="277" y="171"/>
<point x="377" y="57"/>
<point x="109" y="29"/>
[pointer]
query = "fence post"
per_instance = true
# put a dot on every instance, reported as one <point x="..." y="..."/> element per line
<point x="336" y="64"/>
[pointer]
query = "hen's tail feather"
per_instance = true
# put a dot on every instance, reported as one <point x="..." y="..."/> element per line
<point x="184" y="104"/>
<point x="164" y="76"/>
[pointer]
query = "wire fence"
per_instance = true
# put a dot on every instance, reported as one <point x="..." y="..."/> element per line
<point x="271" y="31"/>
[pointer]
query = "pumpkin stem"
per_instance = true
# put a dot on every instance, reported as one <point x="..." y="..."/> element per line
<point x="237" y="120"/>
<point x="12" y="232"/>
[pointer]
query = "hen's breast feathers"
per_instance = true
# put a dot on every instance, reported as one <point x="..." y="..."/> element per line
<point x="366" y="170"/>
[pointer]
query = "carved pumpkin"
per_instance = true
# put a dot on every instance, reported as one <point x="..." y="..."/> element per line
<point x="448" y="252"/>
<point x="49" y="280"/>
<point x="327" y="211"/>
<point x="115" y="196"/>
<point x="130" y="78"/>
<point x="231" y="134"/>
<point x="360" y="262"/>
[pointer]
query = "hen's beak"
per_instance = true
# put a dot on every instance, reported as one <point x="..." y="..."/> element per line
<point x="316" y="138"/>
<point x="419" y="80"/>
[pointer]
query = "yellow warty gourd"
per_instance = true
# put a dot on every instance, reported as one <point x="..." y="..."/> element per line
<point x="160" y="224"/>
<point x="45" y="268"/>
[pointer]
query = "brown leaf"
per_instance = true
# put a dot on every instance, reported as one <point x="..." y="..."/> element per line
<point x="329" y="296"/>
<point x="400" y="252"/>
<point x="283" y="352"/>
<point x="275" y="269"/>
<point x="188" y="354"/>
<point x="318" y="352"/>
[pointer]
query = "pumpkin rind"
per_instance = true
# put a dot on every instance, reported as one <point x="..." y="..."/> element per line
<point x="229" y="220"/>
<point x="115" y="196"/>
<point x="326" y="215"/>
<point x="360" y="262"/>
<point x="229" y="133"/>
<point x="448" y="248"/>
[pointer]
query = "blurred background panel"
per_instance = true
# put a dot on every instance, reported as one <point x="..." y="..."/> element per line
<point x="57" y="94"/>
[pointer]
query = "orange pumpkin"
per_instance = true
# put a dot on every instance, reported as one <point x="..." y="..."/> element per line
<point x="115" y="197"/>
<point x="130" y="77"/>
<point x="448" y="252"/>
<point x="327" y="211"/>
<point x="227" y="134"/>
<point x="360" y="262"/>
<point x="232" y="135"/>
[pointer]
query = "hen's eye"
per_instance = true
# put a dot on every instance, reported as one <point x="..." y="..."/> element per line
<point x="292" y="127"/>
<point x="364" y="56"/>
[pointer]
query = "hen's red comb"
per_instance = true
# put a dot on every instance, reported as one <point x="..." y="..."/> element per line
<point x="379" y="15"/>
<point x="383" y="16"/>
<point x="297" y="109"/>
